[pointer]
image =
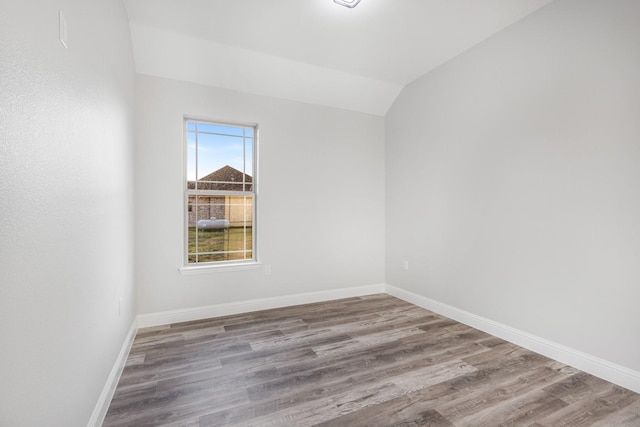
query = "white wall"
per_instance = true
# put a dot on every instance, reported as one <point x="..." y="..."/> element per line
<point x="66" y="219"/>
<point x="513" y="179"/>
<point x="321" y="197"/>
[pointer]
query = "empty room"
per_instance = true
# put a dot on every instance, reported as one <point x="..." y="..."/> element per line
<point x="319" y="213"/>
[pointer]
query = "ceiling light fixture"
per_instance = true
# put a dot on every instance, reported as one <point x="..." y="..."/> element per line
<point x="347" y="3"/>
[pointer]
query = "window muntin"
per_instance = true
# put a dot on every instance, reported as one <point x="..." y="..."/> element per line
<point x="220" y="193"/>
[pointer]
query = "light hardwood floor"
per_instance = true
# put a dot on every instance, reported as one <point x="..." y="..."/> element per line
<point x="368" y="361"/>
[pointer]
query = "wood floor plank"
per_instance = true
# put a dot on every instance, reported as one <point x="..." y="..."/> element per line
<point x="626" y="417"/>
<point x="592" y="409"/>
<point x="363" y="361"/>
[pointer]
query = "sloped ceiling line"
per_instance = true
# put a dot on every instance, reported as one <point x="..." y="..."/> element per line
<point x="313" y="51"/>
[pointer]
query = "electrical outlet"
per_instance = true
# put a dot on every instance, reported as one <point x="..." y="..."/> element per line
<point x="267" y="270"/>
<point x="119" y="307"/>
<point x="405" y="264"/>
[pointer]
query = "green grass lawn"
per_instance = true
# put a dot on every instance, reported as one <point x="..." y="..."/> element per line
<point x="220" y="245"/>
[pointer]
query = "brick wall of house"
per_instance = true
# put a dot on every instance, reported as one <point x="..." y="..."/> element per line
<point x="207" y="208"/>
<point x="220" y="207"/>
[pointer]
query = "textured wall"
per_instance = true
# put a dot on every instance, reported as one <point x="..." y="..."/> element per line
<point x="66" y="238"/>
<point x="513" y="179"/>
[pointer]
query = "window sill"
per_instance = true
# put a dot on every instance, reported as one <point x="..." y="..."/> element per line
<point x="206" y="269"/>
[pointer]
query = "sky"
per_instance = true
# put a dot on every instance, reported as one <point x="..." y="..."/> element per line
<point x="218" y="146"/>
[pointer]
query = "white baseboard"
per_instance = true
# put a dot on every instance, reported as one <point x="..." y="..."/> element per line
<point x="206" y="312"/>
<point x="604" y="369"/>
<point x="100" y="411"/>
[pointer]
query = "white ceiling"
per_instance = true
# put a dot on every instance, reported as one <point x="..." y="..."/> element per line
<point x="312" y="50"/>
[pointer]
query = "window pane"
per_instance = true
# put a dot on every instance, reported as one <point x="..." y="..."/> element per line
<point x="191" y="156"/>
<point x="220" y="228"/>
<point x="248" y="144"/>
<point x="220" y="129"/>
<point x="240" y="211"/>
<point x="217" y="151"/>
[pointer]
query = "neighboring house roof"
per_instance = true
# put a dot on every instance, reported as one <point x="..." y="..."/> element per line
<point x="225" y="179"/>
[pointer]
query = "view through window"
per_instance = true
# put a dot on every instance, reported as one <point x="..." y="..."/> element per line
<point x="220" y="192"/>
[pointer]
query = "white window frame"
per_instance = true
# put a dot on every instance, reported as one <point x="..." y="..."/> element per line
<point x="198" y="267"/>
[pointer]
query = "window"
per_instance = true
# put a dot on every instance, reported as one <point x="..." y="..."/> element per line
<point x="220" y="193"/>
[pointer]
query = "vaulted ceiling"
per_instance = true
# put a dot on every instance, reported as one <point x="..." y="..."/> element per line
<point x="312" y="51"/>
